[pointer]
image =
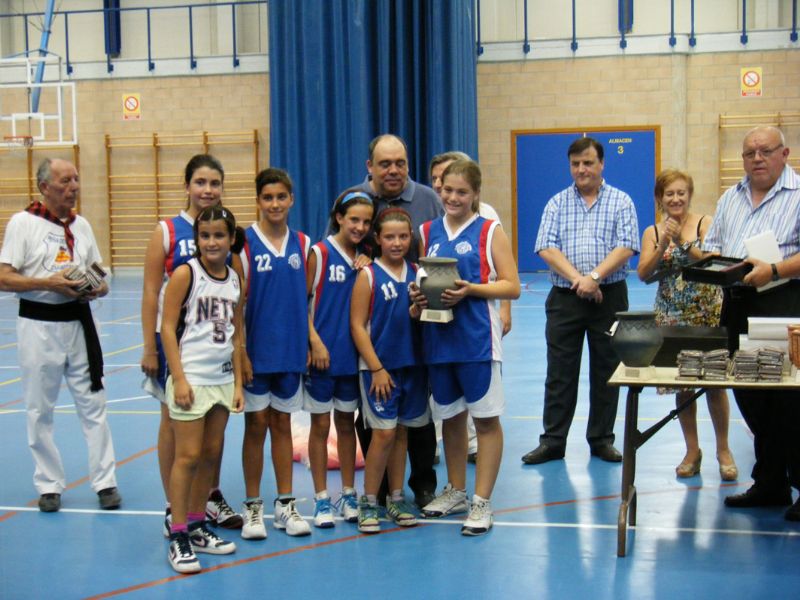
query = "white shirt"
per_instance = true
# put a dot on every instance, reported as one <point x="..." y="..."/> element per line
<point x="37" y="248"/>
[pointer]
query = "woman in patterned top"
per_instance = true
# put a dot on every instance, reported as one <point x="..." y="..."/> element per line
<point x="666" y="246"/>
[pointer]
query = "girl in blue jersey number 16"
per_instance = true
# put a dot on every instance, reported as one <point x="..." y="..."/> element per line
<point x="394" y="384"/>
<point x="464" y="356"/>
<point x="332" y="382"/>
<point x="201" y="332"/>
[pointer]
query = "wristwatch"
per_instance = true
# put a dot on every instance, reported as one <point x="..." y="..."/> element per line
<point x="775" y="275"/>
<point x="595" y="276"/>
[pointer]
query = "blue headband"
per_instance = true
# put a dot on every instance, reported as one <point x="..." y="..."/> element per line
<point x="353" y="195"/>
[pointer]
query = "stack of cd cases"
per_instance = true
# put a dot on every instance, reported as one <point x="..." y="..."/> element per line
<point x="696" y="364"/>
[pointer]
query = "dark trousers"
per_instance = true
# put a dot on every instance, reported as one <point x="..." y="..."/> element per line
<point x="772" y="416"/>
<point x="569" y="320"/>
<point x="421" y="452"/>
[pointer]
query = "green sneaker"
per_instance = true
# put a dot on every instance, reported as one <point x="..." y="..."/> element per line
<point x="368" y="521"/>
<point x="401" y="512"/>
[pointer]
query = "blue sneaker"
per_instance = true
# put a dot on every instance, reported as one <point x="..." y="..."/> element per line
<point x="323" y="514"/>
<point x="368" y="521"/>
<point x="347" y="505"/>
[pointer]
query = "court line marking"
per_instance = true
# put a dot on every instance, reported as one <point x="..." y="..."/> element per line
<point x="70" y="408"/>
<point x="244" y="561"/>
<point x="511" y="524"/>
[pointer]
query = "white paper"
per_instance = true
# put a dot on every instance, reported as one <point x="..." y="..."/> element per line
<point x="764" y="246"/>
<point x="770" y="328"/>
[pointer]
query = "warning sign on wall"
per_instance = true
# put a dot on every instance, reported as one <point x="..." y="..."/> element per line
<point x="131" y="107"/>
<point x="750" y="80"/>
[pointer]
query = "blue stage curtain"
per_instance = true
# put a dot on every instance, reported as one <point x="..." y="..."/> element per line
<point x="344" y="71"/>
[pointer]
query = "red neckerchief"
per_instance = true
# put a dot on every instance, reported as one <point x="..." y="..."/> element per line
<point x="40" y="210"/>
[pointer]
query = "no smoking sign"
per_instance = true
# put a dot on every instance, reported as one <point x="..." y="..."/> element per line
<point x="131" y="107"/>
<point x="751" y="83"/>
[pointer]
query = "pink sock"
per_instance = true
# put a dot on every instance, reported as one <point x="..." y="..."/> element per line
<point x="195" y="517"/>
<point x="179" y="528"/>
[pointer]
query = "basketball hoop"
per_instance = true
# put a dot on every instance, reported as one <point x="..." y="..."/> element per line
<point x="18" y="142"/>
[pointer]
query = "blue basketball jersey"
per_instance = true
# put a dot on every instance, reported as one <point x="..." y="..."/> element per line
<point x="393" y="332"/>
<point x="475" y="332"/>
<point x="276" y="313"/>
<point x="330" y="305"/>
<point x="178" y="240"/>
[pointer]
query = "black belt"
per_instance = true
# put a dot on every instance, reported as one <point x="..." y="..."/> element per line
<point x="603" y="286"/>
<point x="71" y="311"/>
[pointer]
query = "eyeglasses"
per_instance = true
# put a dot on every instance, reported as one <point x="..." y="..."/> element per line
<point x="764" y="152"/>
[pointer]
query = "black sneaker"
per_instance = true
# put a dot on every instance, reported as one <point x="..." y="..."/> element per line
<point x="109" y="498"/>
<point x="219" y="512"/>
<point x="49" y="502"/>
<point x="181" y="554"/>
<point x="167" y="523"/>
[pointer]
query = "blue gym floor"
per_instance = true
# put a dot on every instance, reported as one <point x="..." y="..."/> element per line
<point x="555" y="524"/>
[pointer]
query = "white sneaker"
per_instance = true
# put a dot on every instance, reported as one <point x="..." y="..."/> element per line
<point x="181" y="555"/>
<point x="287" y="517"/>
<point x="253" y="516"/>
<point x="347" y="505"/>
<point x="448" y="502"/>
<point x="480" y="519"/>
<point x="323" y="514"/>
<point x="205" y="540"/>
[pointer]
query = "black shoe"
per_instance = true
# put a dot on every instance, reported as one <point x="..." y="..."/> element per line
<point x="607" y="452"/>
<point x="756" y="497"/>
<point x="472" y="457"/>
<point x="109" y="498"/>
<point x="542" y="454"/>
<point x="49" y="502"/>
<point x="793" y="512"/>
<point x="423" y="498"/>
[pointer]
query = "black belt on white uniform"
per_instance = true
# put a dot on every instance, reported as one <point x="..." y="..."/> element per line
<point x="71" y="311"/>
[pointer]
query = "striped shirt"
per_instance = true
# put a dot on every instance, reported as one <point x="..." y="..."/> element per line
<point x="735" y="219"/>
<point x="587" y="235"/>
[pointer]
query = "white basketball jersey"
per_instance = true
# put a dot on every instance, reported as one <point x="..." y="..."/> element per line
<point x="205" y="329"/>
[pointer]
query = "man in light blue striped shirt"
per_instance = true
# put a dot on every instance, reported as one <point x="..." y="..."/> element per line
<point x="767" y="199"/>
<point x="587" y="234"/>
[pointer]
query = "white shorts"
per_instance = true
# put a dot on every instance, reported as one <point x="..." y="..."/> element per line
<point x="206" y="397"/>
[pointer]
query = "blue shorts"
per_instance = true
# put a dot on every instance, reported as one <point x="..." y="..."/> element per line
<point x="157" y="386"/>
<point x="324" y="392"/>
<point x="281" y="391"/>
<point x="408" y="404"/>
<point x="473" y="386"/>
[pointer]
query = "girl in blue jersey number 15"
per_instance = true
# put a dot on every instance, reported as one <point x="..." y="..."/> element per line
<point x="394" y="385"/>
<point x="201" y="332"/>
<point x="332" y="382"/>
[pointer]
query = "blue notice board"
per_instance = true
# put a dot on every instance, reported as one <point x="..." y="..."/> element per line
<point x="542" y="170"/>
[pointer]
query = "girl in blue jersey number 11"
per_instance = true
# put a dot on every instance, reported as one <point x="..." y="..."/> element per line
<point x="201" y="311"/>
<point x="394" y="385"/>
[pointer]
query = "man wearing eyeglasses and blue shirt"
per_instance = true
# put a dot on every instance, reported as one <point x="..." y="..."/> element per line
<point x="587" y="234"/>
<point x="767" y="199"/>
